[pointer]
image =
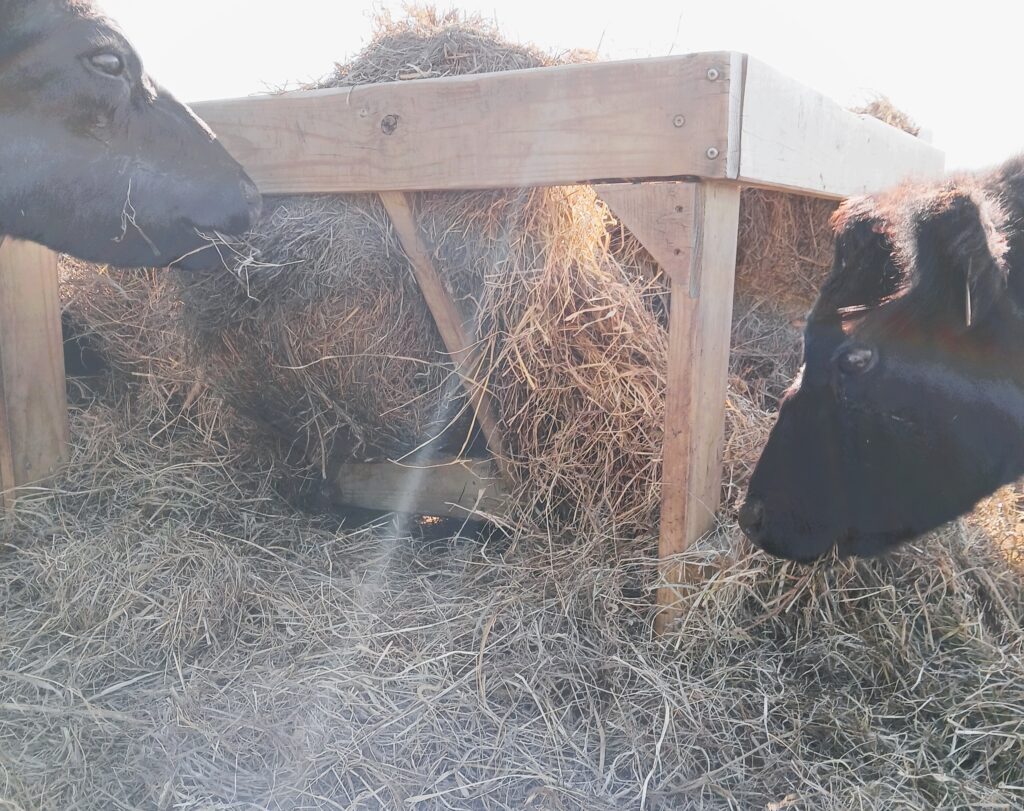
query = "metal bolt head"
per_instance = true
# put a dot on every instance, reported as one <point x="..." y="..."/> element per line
<point x="679" y="120"/>
<point x="712" y="152"/>
<point x="713" y="74"/>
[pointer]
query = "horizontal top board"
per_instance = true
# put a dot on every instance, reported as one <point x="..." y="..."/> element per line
<point x="546" y="126"/>
<point x="719" y="116"/>
<point x="795" y="138"/>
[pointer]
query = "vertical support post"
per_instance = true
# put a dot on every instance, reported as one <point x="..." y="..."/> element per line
<point x="698" y="364"/>
<point x="33" y="398"/>
<point x="691" y="230"/>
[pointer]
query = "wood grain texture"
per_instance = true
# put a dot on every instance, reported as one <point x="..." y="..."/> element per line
<point x="456" y="489"/>
<point x="699" y="333"/>
<point x="792" y="137"/>
<point x="33" y="399"/>
<point x="462" y="347"/>
<point x="660" y="215"/>
<point x="547" y="126"/>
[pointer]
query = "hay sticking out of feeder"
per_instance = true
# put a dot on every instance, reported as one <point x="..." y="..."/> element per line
<point x="785" y="248"/>
<point x="882" y="108"/>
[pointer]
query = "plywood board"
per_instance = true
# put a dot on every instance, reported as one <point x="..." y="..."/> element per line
<point x="454" y="489"/>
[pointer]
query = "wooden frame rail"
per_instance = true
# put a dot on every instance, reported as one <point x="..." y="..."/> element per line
<point x="668" y="142"/>
<point x="717" y="116"/>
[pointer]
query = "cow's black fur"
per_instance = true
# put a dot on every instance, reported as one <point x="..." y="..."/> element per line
<point x="96" y="159"/>
<point x="910" y="405"/>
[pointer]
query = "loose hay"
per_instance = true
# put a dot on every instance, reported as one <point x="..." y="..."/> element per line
<point x="784" y="249"/>
<point x="882" y="108"/>
<point x="173" y="636"/>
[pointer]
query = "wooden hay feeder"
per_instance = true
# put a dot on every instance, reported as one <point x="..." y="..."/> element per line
<point x="668" y="143"/>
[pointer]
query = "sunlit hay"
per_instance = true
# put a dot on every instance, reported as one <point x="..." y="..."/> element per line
<point x="882" y="108"/>
<point x="1001" y="518"/>
<point x="322" y="334"/>
<point x="785" y="247"/>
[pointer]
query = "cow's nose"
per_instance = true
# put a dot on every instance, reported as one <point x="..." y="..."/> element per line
<point x="752" y="520"/>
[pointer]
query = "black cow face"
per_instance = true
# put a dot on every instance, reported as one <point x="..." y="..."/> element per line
<point x="96" y="159"/>
<point x="910" y="405"/>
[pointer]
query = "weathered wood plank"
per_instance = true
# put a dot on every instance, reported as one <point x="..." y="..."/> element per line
<point x="699" y="332"/>
<point x="660" y="215"/>
<point x="456" y="489"/>
<point x="794" y="138"/>
<point x="33" y="398"/>
<point x="548" y="126"/>
<point x="458" y="341"/>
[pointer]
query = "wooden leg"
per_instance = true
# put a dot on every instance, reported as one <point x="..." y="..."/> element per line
<point x="698" y="366"/>
<point x="691" y="230"/>
<point x="33" y="399"/>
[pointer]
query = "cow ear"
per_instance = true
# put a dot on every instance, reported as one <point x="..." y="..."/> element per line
<point x="959" y="257"/>
<point x="864" y="270"/>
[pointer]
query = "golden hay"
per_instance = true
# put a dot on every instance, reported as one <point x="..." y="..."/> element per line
<point x="785" y="248"/>
<point x="321" y="336"/>
<point x="882" y="108"/>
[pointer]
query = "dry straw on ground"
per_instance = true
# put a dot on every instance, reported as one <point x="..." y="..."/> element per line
<point x="174" y="636"/>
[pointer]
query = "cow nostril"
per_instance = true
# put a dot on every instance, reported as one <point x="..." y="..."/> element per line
<point x="751" y="519"/>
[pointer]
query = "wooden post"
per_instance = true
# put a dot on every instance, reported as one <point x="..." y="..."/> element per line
<point x="33" y="399"/>
<point x="691" y="229"/>
<point x="456" y="337"/>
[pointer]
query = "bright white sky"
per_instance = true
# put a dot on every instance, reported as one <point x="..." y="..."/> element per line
<point x="952" y="66"/>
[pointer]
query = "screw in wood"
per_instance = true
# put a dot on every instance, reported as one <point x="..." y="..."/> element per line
<point x="712" y="152"/>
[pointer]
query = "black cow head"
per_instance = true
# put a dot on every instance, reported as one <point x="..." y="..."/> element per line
<point x="96" y="159"/>
<point x="910" y="404"/>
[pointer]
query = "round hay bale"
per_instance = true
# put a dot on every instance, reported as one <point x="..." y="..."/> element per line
<point x="319" y="334"/>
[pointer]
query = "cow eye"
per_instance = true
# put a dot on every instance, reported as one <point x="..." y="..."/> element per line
<point x="107" y="62"/>
<point x="857" y="360"/>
